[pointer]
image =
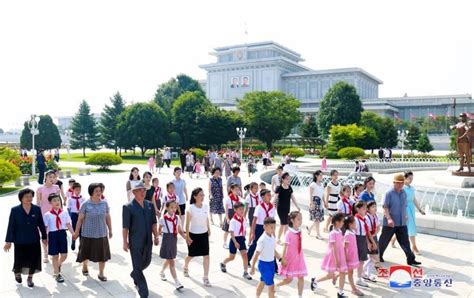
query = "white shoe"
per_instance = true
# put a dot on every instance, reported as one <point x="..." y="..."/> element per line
<point x="45" y="259"/>
<point x="162" y="276"/>
<point x="179" y="286"/>
<point x="362" y="283"/>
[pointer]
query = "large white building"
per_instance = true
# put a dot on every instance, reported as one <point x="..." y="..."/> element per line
<point x="269" y="66"/>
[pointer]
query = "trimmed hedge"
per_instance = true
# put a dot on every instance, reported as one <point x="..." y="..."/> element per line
<point x="8" y="172"/>
<point x="293" y="152"/>
<point x="351" y="152"/>
<point x="103" y="160"/>
<point x="199" y="153"/>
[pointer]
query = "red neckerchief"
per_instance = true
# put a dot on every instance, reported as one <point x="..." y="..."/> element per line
<point x="255" y="198"/>
<point x="366" y="226"/>
<point x="241" y="221"/>
<point x="174" y="221"/>
<point x="70" y="190"/>
<point x="346" y="201"/>
<point x="233" y="198"/>
<point x="155" y="194"/>
<point x="58" y="220"/>
<point x="78" y="204"/>
<point x="374" y="224"/>
<point x="171" y="197"/>
<point x="102" y="197"/>
<point x="267" y="211"/>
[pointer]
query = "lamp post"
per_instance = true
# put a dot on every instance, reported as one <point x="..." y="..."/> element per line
<point x="33" y="126"/>
<point x="241" y="133"/>
<point x="68" y="143"/>
<point x="402" y="135"/>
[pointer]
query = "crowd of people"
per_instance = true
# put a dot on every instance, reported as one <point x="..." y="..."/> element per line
<point x="156" y="213"/>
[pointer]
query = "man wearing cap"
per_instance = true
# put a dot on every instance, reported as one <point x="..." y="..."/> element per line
<point x="139" y="223"/>
<point x="395" y="220"/>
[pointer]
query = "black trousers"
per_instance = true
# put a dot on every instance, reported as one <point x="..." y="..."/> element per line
<point x="168" y="162"/>
<point x="141" y="258"/>
<point x="402" y="238"/>
<point x="41" y="175"/>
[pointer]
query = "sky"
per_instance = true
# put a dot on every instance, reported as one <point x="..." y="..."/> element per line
<point x="53" y="54"/>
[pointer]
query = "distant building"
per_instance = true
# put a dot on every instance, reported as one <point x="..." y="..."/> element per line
<point x="269" y="66"/>
<point x="64" y="122"/>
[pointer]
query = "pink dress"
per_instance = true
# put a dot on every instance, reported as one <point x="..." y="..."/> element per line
<point x="329" y="261"/>
<point x="352" y="258"/>
<point x="324" y="164"/>
<point x="197" y="168"/>
<point x="295" y="265"/>
<point x="45" y="192"/>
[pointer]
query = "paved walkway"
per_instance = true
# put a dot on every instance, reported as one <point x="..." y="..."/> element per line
<point x="440" y="256"/>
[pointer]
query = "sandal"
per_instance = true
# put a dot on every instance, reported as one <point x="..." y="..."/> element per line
<point x="30" y="282"/>
<point x="185" y="272"/>
<point x="102" y="278"/>
<point x="85" y="272"/>
<point x="18" y="278"/>
<point x="206" y="282"/>
<point x="162" y="276"/>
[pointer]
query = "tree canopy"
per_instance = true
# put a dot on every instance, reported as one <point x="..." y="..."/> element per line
<point x="168" y="92"/>
<point x="109" y="122"/>
<point x="269" y="116"/>
<point x="84" y="129"/>
<point x="48" y="137"/>
<point x="413" y="136"/>
<point x="309" y="128"/>
<point x="341" y="106"/>
<point x="216" y="126"/>
<point x="352" y="136"/>
<point x="424" y="144"/>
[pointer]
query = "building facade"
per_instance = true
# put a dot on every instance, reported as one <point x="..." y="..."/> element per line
<point x="269" y="66"/>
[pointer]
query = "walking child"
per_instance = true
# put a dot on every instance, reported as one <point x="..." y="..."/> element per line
<point x="262" y="186"/>
<point x="350" y="247"/>
<point x="365" y="241"/>
<point x="333" y="190"/>
<point x="371" y="266"/>
<point x="74" y="205"/>
<point x="57" y="222"/>
<point x="170" y="196"/>
<point x="252" y="200"/>
<point x="265" y="254"/>
<point x="197" y="168"/>
<point x="157" y="196"/>
<point x="335" y="258"/>
<point x="345" y="203"/>
<point x="170" y="227"/>
<point x="229" y="202"/>
<point x="69" y="191"/>
<point x="356" y="191"/>
<point x="237" y="230"/>
<point x="295" y="266"/>
<point x="264" y="209"/>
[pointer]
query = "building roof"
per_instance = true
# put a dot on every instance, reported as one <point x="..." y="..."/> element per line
<point x="257" y="45"/>
<point x="331" y="71"/>
<point x="449" y="96"/>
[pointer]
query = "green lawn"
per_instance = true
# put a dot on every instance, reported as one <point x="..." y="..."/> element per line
<point x="7" y="190"/>
<point x="128" y="158"/>
<point x="75" y="170"/>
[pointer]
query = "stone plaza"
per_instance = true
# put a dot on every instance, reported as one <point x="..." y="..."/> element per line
<point x="442" y="256"/>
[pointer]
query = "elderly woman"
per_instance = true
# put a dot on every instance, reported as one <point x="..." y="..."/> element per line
<point x="24" y="226"/>
<point x="93" y="223"/>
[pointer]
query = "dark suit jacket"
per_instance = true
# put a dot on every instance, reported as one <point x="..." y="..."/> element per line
<point x="139" y="222"/>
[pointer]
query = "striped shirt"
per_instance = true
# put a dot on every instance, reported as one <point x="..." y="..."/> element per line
<point x="334" y="190"/>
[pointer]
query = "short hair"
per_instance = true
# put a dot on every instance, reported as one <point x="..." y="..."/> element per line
<point x="93" y="187"/>
<point x="176" y="169"/>
<point x="333" y="172"/>
<point x="371" y="203"/>
<point x="235" y="169"/>
<point x="291" y="217"/>
<point x="263" y="184"/>
<point x="215" y="169"/>
<point x="269" y="221"/>
<point x="154" y="179"/>
<point x="286" y="174"/>
<point x="407" y="174"/>
<point x="53" y="196"/>
<point x="357" y="186"/>
<point x="71" y="181"/>
<point x="102" y="186"/>
<point x="367" y="180"/>
<point x="76" y="185"/>
<point x="24" y="192"/>
<point x="169" y="184"/>
<point x="339" y="216"/>
<point x="238" y="205"/>
<point x="279" y="168"/>
<point x="147" y="173"/>
<point x="253" y="184"/>
<point x="344" y="187"/>
<point x="169" y="203"/>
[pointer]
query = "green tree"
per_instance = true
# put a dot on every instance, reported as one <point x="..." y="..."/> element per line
<point x="143" y="125"/>
<point x="388" y="133"/>
<point x="374" y="121"/>
<point x="185" y="114"/>
<point x="109" y="122"/>
<point x="8" y="172"/>
<point x="48" y="137"/>
<point x="84" y="129"/>
<point x="309" y="128"/>
<point x="413" y="136"/>
<point x="269" y="115"/>
<point x="216" y="126"/>
<point x="351" y="135"/>
<point x="424" y="144"/>
<point x="168" y="92"/>
<point x="341" y="105"/>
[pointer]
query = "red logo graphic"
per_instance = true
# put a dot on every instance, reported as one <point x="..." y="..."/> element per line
<point x="417" y="272"/>
<point x="382" y="272"/>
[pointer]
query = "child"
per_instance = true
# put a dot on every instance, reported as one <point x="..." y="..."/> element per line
<point x="344" y="205"/>
<point x="57" y="221"/>
<point x="356" y="191"/>
<point x="293" y="256"/>
<point x="262" y="186"/>
<point x="169" y="228"/>
<point x="197" y="168"/>
<point x="170" y="196"/>
<point x="237" y="229"/>
<point x="151" y="164"/>
<point x="229" y="202"/>
<point x="157" y="196"/>
<point x="264" y="209"/>
<point x="352" y="259"/>
<point x="266" y="256"/>
<point x="74" y="205"/>
<point x="335" y="259"/>
<point x="364" y="241"/>
<point x="69" y="191"/>
<point x="331" y="197"/>
<point x="252" y="200"/>
<point x="324" y="164"/>
<point x="373" y="221"/>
